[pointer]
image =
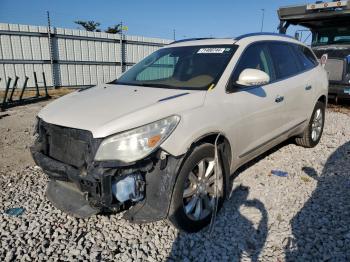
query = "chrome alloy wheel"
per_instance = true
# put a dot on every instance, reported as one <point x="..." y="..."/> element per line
<point x="200" y="188"/>
<point x="317" y="123"/>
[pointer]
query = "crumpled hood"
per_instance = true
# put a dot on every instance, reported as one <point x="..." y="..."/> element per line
<point x="108" y="109"/>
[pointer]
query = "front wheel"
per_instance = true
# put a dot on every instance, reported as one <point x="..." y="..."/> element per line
<point x="313" y="132"/>
<point x="196" y="190"/>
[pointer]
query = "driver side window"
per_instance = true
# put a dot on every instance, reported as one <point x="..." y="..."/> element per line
<point x="256" y="56"/>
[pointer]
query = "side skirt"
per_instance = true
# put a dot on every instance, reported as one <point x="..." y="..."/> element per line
<point x="251" y="154"/>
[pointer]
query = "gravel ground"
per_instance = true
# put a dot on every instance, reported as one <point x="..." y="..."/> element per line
<point x="302" y="217"/>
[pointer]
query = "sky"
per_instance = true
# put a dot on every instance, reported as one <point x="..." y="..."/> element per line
<point x="153" y="18"/>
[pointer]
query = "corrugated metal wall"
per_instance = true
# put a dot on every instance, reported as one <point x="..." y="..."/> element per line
<point x="79" y="57"/>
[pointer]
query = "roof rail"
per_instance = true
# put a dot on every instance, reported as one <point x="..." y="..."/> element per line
<point x="257" y="34"/>
<point x="191" y="39"/>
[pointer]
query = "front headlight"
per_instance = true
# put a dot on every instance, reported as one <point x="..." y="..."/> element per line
<point x="137" y="143"/>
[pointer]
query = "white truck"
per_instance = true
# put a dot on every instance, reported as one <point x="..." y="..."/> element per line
<point x="329" y="23"/>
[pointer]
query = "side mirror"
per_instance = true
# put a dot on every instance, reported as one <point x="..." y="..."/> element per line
<point x="253" y="77"/>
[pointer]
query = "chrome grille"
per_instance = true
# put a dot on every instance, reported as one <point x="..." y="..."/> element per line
<point x="335" y="69"/>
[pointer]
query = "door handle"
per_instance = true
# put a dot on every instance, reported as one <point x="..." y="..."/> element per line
<point x="308" y="88"/>
<point x="279" y="99"/>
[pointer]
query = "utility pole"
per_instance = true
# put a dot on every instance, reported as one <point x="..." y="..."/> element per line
<point x="262" y="19"/>
<point x="174" y="34"/>
<point x="121" y="48"/>
<point x="51" y="50"/>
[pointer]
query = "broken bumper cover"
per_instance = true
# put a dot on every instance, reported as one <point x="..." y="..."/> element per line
<point x="67" y="188"/>
<point x="67" y="197"/>
<point x="83" y="188"/>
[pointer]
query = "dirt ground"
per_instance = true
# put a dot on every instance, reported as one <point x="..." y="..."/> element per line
<point x="16" y="136"/>
<point x="30" y="93"/>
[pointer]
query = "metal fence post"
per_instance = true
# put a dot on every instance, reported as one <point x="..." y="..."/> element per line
<point x="36" y="85"/>
<point x="45" y="86"/>
<point x="122" y="56"/>
<point x="13" y="89"/>
<point x="121" y="52"/>
<point x="23" y="88"/>
<point x="51" y="50"/>
<point x="3" y="107"/>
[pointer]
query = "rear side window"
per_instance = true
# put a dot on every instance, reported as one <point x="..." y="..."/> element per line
<point x="306" y="58"/>
<point x="256" y="56"/>
<point x="285" y="60"/>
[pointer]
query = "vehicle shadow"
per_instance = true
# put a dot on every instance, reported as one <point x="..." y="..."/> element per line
<point x="321" y="229"/>
<point x="233" y="234"/>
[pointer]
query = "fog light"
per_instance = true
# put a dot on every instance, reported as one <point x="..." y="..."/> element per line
<point x="128" y="188"/>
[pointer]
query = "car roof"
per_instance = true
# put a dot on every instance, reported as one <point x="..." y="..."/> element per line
<point x="243" y="39"/>
<point x="203" y="41"/>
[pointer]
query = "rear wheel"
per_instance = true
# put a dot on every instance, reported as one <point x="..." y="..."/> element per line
<point x="195" y="190"/>
<point x="313" y="132"/>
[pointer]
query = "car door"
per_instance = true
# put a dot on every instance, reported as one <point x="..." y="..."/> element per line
<point x="256" y="120"/>
<point x="308" y="62"/>
<point x="293" y="82"/>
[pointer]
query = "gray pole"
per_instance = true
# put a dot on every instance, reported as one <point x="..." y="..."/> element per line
<point x="262" y="19"/>
<point x="121" y="48"/>
<point x="51" y="50"/>
<point x="174" y="33"/>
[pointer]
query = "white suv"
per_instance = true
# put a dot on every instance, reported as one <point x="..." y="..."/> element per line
<point x="146" y="142"/>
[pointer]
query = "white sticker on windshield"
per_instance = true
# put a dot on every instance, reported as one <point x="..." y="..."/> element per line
<point x="211" y="50"/>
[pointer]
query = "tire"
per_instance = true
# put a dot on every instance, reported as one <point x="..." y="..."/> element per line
<point x="309" y="138"/>
<point x="197" y="187"/>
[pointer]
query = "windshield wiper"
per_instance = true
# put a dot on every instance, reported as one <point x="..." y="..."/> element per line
<point x="156" y="85"/>
<point x="141" y="84"/>
<point x="119" y="83"/>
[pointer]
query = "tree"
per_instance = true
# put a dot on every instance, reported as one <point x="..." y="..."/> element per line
<point x="89" y="25"/>
<point x="115" y="29"/>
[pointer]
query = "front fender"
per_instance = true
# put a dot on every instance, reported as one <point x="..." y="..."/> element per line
<point x="160" y="183"/>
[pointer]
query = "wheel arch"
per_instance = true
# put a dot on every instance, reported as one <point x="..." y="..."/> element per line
<point x="319" y="98"/>
<point x="210" y="138"/>
<point x="322" y="99"/>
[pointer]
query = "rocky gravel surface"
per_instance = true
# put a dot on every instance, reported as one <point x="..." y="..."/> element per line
<point x="302" y="217"/>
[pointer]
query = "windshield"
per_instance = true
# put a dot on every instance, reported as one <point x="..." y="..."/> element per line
<point x="189" y="67"/>
<point x="329" y="36"/>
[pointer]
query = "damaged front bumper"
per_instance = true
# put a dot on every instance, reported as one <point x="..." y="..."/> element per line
<point x="82" y="187"/>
